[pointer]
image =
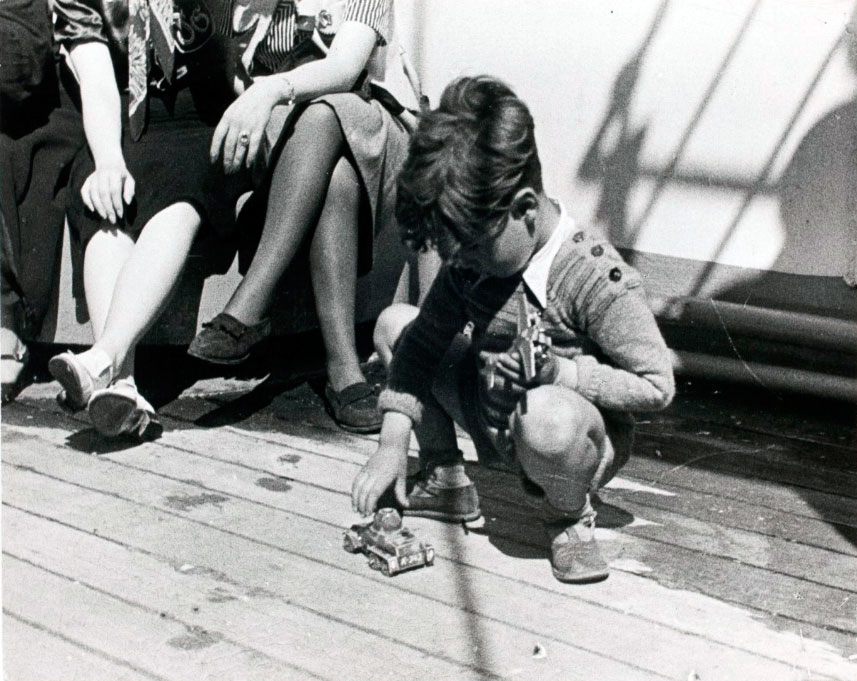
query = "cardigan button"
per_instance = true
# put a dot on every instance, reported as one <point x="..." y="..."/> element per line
<point x="615" y="274"/>
<point x="577" y="238"/>
<point x="597" y="250"/>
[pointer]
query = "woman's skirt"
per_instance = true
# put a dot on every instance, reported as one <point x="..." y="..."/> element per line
<point x="377" y="142"/>
<point x="170" y="164"/>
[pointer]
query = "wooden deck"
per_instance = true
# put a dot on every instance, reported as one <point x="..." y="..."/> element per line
<point x="216" y="552"/>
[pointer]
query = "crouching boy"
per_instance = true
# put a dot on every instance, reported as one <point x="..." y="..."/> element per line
<point x="472" y="188"/>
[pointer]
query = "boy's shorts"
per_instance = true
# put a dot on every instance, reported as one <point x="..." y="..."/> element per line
<point x="456" y="389"/>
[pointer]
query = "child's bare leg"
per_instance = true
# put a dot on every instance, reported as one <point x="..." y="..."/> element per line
<point x="443" y="490"/>
<point x="560" y="441"/>
<point x="436" y="432"/>
<point x="389" y="328"/>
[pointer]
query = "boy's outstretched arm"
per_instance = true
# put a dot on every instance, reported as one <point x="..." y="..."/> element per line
<point x="386" y="467"/>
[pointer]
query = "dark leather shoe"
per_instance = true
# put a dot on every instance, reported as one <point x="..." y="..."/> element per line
<point x="427" y="500"/>
<point x="575" y="557"/>
<point x="354" y="408"/>
<point x="225" y="340"/>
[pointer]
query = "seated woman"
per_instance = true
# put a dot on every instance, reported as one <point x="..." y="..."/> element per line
<point x="40" y="131"/>
<point x="142" y="187"/>
<point x="329" y="182"/>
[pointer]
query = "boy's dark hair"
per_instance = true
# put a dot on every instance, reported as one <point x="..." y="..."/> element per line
<point x="467" y="160"/>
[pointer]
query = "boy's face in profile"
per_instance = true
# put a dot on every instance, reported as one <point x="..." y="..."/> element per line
<point x="506" y="251"/>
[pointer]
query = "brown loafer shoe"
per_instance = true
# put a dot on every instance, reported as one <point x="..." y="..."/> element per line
<point x="354" y="408"/>
<point x="427" y="500"/>
<point x="225" y="340"/>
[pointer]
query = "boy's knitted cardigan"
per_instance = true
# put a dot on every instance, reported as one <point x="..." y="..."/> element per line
<point x="596" y="315"/>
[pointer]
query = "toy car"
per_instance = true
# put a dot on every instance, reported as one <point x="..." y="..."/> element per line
<point x="391" y="548"/>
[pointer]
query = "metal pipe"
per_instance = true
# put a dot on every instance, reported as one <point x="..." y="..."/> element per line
<point x="797" y="328"/>
<point x="765" y="375"/>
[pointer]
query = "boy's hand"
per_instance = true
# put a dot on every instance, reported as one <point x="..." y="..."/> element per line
<point x="387" y="466"/>
<point x="504" y="371"/>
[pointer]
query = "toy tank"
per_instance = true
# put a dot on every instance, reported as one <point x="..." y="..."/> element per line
<point x="391" y="548"/>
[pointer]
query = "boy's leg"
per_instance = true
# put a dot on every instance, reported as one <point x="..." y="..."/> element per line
<point x="562" y="445"/>
<point x="442" y="489"/>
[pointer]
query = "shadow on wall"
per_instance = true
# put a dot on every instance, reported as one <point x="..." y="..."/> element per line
<point x="617" y="168"/>
<point x="817" y="192"/>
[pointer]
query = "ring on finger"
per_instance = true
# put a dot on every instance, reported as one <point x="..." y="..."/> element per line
<point x="244" y="139"/>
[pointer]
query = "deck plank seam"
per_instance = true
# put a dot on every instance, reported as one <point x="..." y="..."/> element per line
<point x="327" y="616"/>
<point x="83" y="646"/>
<point x="471" y="566"/>
<point x="162" y="615"/>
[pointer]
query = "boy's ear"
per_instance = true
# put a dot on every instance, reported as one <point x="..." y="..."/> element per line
<point x="525" y="206"/>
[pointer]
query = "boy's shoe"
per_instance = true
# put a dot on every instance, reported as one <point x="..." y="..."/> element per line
<point x="225" y="340"/>
<point x="122" y="410"/>
<point x="78" y="384"/>
<point x="428" y="500"/>
<point x="575" y="557"/>
<point x="355" y="407"/>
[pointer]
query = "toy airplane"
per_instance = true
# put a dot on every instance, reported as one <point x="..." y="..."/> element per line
<point x="531" y="342"/>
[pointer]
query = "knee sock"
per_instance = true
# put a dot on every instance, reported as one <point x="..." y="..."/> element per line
<point x="450" y="477"/>
<point x="446" y="468"/>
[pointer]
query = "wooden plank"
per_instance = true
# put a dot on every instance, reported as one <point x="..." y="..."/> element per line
<point x="776" y="447"/>
<point x="734" y="513"/>
<point x="770" y="461"/>
<point x="646" y="466"/>
<point x="793" y="416"/>
<point x="776" y="555"/>
<point x="787" y="558"/>
<point x="211" y="600"/>
<point x="705" y="536"/>
<point x="427" y="624"/>
<point x="162" y="647"/>
<point x="511" y="566"/>
<point x="58" y="659"/>
<point x="780" y="556"/>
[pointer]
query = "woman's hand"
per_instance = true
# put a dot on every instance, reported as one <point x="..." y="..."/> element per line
<point x="239" y="134"/>
<point x="386" y="467"/>
<point x="108" y="189"/>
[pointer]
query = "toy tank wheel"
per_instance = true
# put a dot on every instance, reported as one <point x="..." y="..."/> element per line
<point x="374" y="563"/>
<point x="349" y="544"/>
<point x="385" y="569"/>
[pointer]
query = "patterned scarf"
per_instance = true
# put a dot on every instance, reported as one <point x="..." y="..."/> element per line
<point x="148" y="20"/>
<point x="248" y="13"/>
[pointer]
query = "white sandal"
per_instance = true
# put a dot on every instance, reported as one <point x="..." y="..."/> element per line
<point x="78" y="383"/>
<point x="122" y="410"/>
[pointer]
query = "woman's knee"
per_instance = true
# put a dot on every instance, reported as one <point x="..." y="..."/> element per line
<point x="555" y="423"/>
<point x="316" y="119"/>
<point x="389" y="328"/>
<point x="344" y="187"/>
